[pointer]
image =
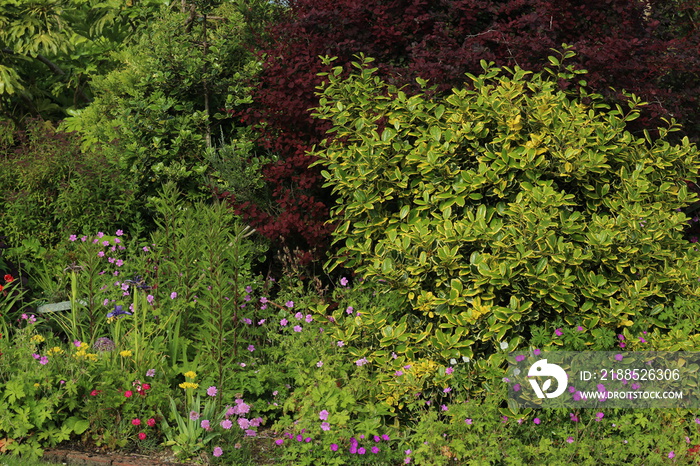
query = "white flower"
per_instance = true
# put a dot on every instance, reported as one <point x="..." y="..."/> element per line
<point x="504" y="345"/>
<point x="453" y="361"/>
<point x="516" y="372"/>
<point x="465" y="358"/>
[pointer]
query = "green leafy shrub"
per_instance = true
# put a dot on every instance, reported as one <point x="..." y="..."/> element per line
<point x="502" y="205"/>
<point x="49" y="187"/>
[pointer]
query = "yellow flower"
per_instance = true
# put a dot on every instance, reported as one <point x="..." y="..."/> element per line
<point x="36" y="385"/>
<point x="37" y="339"/>
<point x="84" y="345"/>
<point x="125" y="354"/>
<point x="190" y="374"/>
<point x="55" y="350"/>
<point x="187" y="385"/>
<point x="80" y="354"/>
<point x="91" y="356"/>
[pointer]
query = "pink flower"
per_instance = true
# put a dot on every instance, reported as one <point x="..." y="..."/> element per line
<point x="289" y="304"/>
<point x="536" y="420"/>
<point x="297" y="328"/>
<point x="128" y="393"/>
<point x="151" y="422"/>
<point x="205" y="424"/>
<point x="570" y="440"/>
<point x="325" y="426"/>
<point x="227" y="424"/>
<point x="343" y="281"/>
<point x="449" y="370"/>
<point x="468" y="421"/>
<point x="142" y="436"/>
<point x="72" y="237"/>
<point x="211" y="391"/>
<point x="136" y="422"/>
<point x="558" y="332"/>
<point x="218" y="452"/>
<point x="323" y="415"/>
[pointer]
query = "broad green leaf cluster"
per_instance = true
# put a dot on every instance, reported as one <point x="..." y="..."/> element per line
<point x="506" y="203"/>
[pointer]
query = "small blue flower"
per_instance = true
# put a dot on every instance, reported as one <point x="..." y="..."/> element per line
<point x="118" y="311"/>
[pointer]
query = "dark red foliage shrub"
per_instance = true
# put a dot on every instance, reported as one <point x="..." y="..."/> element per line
<point x="649" y="47"/>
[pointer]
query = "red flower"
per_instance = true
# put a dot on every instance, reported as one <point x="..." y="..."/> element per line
<point x="151" y="422"/>
<point x="94" y="393"/>
<point x="128" y="393"/>
<point x="146" y="386"/>
<point x="136" y="422"/>
<point x="8" y="278"/>
<point x="142" y="436"/>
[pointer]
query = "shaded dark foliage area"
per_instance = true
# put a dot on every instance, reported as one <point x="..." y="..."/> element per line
<point x="650" y="48"/>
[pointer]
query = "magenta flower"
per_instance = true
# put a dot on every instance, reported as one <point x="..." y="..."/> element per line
<point x="618" y="357"/>
<point x="251" y="348"/>
<point x="343" y="281"/>
<point x="449" y="370"/>
<point x="72" y="237"/>
<point x="536" y="420"/>
<point x="297" y="328"/>
<point x="325" y="426"/>
<point x="468" y="421"/>
<point x="227" y="424"/>
<point x="323" y="415"/>
<point x="334" y="447"/>
<point x="218" y="452"/>
<point x="211" y="391"/>
<point x="349" y="309"/>
<point x="279" y="441"/>
<point x="570" y="440"/>
<point x="558" y="332"/>
<point x="283" y="322"/>
<point x="289" y="304"/>
<point x="44" y="360"/>
<point x="119" y="233"/>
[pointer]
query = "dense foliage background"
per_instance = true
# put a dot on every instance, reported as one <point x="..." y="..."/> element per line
<point x="328" y="222"/>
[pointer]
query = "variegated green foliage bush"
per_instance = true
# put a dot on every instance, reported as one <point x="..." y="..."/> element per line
<point x="503" y="204"/>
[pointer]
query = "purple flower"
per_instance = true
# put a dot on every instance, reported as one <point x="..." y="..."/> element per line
<point x="536" y="420"/>
<point x="119" y="233"/>
<point x="194" y="415"/>
<point x="520" y="357"/>
<point x="283" y="322"/>
<point x="280" y="442"/>
<point x="289" y="304"/>
<point x="308" y="318"/>
<point x="227" y="424"/>
<point x="211" y="391"/>
<point x="449" y="370"/>
<point x="334" y="447"/>
<point x="218" y="451"/>
<point x="375" y="449"/>
<point x="558" y="332"/>
<point x="263" y="300"/>
<point x="361" y="362"/>
<point x="72" y="237"/>
<point x="325" y="426"/>
<point x="173" y="295"/>
<point x="573" y="417"/>
<point x="580" y="329"/>
<point x="205" y="424"/>
<point x="349" y="309"/>
<point x="298" y="316"/>
<point x="297" y="328"/>
<point x="536" y="352"/>
<point x="150" y="299"/>
<point x="618" y="357"/>
<point x="151" y="373"/>
<point x="251" y="348"/>
<point x="105" y="243"/>
<point x="468" y="421"/>
<point x="118" y="312"/>
<point x="323" y="415"/>
<point x="340" y="343"/>
<point x="343" y="281"/>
